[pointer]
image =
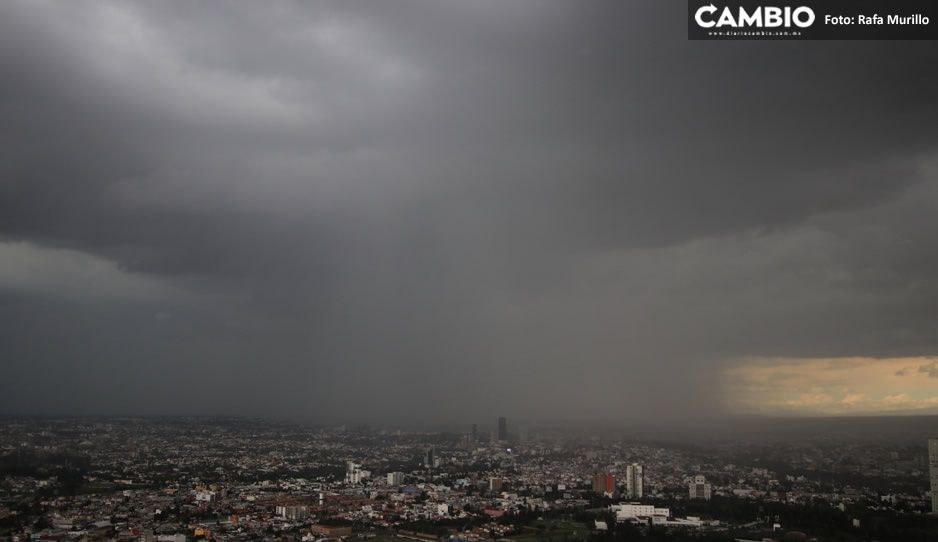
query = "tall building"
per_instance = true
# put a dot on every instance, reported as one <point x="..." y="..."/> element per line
<point x="395" y="478"/>
<point x="352" y="470"/>
<point x="495" y="484"/>
<point x="354" y="473"/>
<point x="472" y="437"/>
<point x="292" y="512"/>
<point x="604" y="482"/>
<point x="502" y="429"/>
<point x="430" y="460"/>
<point x="634" y="481"/>
<point x="933" y="472"/>
<point x="699" y="488"/>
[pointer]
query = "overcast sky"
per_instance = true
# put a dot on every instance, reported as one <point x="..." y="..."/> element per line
<point x="432" y="211"/>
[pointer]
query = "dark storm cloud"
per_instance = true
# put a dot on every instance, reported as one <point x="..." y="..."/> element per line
<point x="520" y="207"/>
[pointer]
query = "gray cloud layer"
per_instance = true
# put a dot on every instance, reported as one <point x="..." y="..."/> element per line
<point x="446" y="209"/>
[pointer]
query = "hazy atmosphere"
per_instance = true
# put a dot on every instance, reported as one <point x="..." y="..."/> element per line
<point x="436" y="211"/>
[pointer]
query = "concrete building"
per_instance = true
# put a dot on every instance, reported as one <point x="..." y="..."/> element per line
<point x="292" y="512"/>
<point x="206" y="496"/>
<point x="431" y="460"/>
<point x="633" y="510"/>
<point x="699" y="488"/>
<point x="354" y="473"/>
<point x="634" y="481"/>
<point x="395" y="478"/>
<point x="933" y="472"/>
<point x="604" y="482"/>
<point x="331" y="531"/>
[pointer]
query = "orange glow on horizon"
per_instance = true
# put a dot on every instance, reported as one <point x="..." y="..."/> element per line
<point x="831" y="386"/>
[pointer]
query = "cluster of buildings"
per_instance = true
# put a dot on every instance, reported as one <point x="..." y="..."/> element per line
<point x="228" y="479"/>
<point x="605" y="482"/>
<point x="652" y="515"/>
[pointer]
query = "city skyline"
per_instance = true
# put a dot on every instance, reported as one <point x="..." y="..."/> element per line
<point x="177" y="479"/>
<point x="468" y="271"/>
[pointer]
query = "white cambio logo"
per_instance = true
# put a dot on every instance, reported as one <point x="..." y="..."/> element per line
<point x="760" y="17"/>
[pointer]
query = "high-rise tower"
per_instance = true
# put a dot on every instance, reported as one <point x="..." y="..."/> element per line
<point x="634" y="481"/>
<point x="933" y="472"/>
<point x="604" y="482"/>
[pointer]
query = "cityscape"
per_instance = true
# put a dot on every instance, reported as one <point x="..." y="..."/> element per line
<point x="468" y="271"/>
<point x="179" y="479"/>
